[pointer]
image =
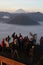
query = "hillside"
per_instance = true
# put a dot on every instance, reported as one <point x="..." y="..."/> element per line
<point x="38" y="16"/>
<point x="18" y="15"/>
<point x="22" y="19"/>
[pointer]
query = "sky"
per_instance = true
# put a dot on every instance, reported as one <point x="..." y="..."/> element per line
<point x="27" y="5"/>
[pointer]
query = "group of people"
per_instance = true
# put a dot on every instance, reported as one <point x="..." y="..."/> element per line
<point x="19" y="39"/>
<point x="19" y="43"/>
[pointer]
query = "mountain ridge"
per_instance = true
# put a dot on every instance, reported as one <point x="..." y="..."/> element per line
<point x="20" y="11"/>
<point x="23" y="19"/>
<point x="36" y="16"/>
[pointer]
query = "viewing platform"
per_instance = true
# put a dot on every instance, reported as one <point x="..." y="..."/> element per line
<point x="7" y="61"/>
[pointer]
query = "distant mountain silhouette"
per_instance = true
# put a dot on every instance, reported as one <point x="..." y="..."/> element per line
<point x="37" y="16"/>
<point x="23" y="19"/>
<point x="3" y="18"/>
<point x="4" y="14"/>
<point x="20" y="11"/>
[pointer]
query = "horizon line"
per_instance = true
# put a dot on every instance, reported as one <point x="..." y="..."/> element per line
<point x="24" y="12"/>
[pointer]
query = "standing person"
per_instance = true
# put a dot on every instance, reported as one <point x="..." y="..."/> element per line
<point x="20" y="41"/>
<point x="6" y="42"/>
<point x="15" y="47"/>
<point x="33" y="38"/>
<point x="13" y="36"/>
<point x="8" y="38"/>
<point x="41" y="41"/>
<point x="3" y="43"/>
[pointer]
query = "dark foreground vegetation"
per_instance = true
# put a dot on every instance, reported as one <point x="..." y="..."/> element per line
<point x="23" y="49"/>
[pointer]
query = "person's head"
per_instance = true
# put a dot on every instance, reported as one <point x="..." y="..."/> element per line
<point x="14" y="32"/>
<point x="13" y="35"/>
<point x="31" y="33"/>
<point x="6" y="39"/>
<point x="8" y="36"/>
<point x="19" y="33"/>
